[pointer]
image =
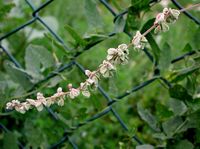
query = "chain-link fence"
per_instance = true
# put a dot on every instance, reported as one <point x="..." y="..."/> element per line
<point x="110" y="101"/>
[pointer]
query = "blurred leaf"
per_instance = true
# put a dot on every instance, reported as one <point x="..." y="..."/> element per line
<point x="119" y="24"/>
<point x="92" y="14"/>
<point x="148" y="117"/>
<point x="182" y="74"/>
<point x="165" y="57"/>
<point x="162" y="111"/>
<point x="154" y="46"/>
<point x="160" y="136"/>
<point x="76" y="36"/>
<point x="112" y="87"/>
<point x="60" y="51"/>
<point x="171" y="125"/>
<point x="35" y="57"/>
<point x="10" y="141"/>
<point x="140" y="4"/>
<point x="194" y="104"/>
<point x="179" y="92"/>
<point x="177" y="106"/>
<point x="18" y="75"/>
<point x="191" y="84"/>
<point x="5" y="9"/>
<point x="82" y="113"/>
<point x="133" y="21"/>
<point x="54" y="81"/>
<point x="145" y="146"/>
<point x="183" y="144"/>
<point x="56" y="43"/>
<point x="187" y="48"/>
<point x="193" y="119"/>
<point x="196" y="58"/>
<point x="94" y="39"/>
<point x="33" y="132"/>
<point x="196" y="39"/>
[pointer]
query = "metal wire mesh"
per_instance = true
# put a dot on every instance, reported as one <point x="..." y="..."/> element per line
<point x="110" y="101"/>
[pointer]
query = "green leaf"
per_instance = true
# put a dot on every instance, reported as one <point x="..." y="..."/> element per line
<point x="162" y="111"/>
<point x="191" y="83"/>
<point x="179" y="92"/>
<point x="37" y="59"/>
<point x="92" y="14"/>
<point x="140" y="4"/>
<point x="193" y="119"/>
<point x="145" y="146"/>
<point x="133" y="20"/>
<point x="187" y="48"/>
<point x="177" y="106"/>
<point x="10" y="141"/>
<point x="160" y="136"/>
<point x="54" y="81"/>
<point x="119" y="25"/>
<point x="165" y="57"/>
<point x="177" y="76"/>
<point x="57" y="44"/>
<point x="154" y="46"/>
<point x="194" y="104"/>
<point x="5" y="9"/>
<point x="148" y="117"/>
<point x="171" y="125"/>
<point x="94" y="38"/>
<point x="33" y="131"/>
<point x="18" y="75"/>
<point x="183" y="144"/>
<point x="196" y="39"/>
<point x="76" y="36"/>
<point x="82" y="113"/>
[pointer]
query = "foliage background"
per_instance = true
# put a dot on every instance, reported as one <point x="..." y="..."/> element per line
<point x="162" y="117"/>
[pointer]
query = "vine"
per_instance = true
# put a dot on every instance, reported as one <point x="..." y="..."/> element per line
<point x="115" y="56"/>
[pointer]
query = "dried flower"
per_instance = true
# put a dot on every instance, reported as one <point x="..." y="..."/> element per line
<point x="41" y="100"/>
<point x="20" y="109"/>
<point x="162" y="19"/>
<point x="106" y="69"/>
<point x="93" y="78"/>
<point x="161" y="23"/>
<point x="59" y="97"/>
<point x="26" y="105"/>
<point x="31" y="102"/>
<point x="118" y="55"/>
<point x="50" y="102"/>
<point x="73" y="92"/>
<point x="139" y="41"/>
<point x="84" y="89"/>
<point x="9" y="105"/>
<point x="39" y="105"/>
<point x="59" y="90"/>
<point x="61" y="102"/>
<point x="171" y="15"/>
<point x="162" y="27"/>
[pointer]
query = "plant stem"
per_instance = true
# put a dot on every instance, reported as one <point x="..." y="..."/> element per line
<point x="189" y="8"/>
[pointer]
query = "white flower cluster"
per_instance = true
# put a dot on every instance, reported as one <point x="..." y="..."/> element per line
<point x="115" y="56"/>
<point x="39" y="103"/>
<point x="118" y="55"/>
<point x="139" y="41"/>
<point x="168" y="16"/>
<point x="106" y="69"/>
